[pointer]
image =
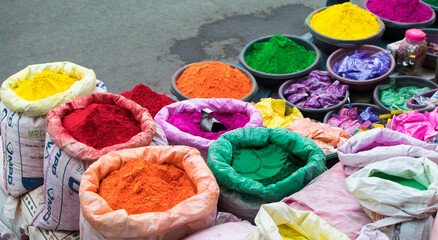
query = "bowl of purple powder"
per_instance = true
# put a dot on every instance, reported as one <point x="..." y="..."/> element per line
<point x="361" y="68"/>
<point x="314" y="95"/>
<point x="401" y="15"/>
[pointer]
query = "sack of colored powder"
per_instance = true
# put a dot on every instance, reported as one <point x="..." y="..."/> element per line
<point x="27" y="97"/>
<point x="276" y="113"/>
<point x="147" y="98"/>
<point x="380" y="144"/>
<point x="180" y="120"/>
<point x="345" y="21"/>
<point x="279" y="221"/>
<point x="262" y="165"/>
<point x="327" y="197"/>
<point x="99" y="119"/>
<point x="399" y="194"/>
<point x="327" y="137"/>
<point x="100" y="221"/>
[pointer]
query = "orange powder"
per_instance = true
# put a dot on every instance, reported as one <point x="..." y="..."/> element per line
<point x="213" y="79"/>
<point x="140" y="186"/>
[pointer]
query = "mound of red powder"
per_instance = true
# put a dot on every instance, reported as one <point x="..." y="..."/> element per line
<point x="101" y="125"/>
<point x="147" y="98"/>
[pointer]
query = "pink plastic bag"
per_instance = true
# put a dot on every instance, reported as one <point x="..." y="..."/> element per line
<point x="421" y="126"/>
<point x="218" y="105"/>
<point x="327" y="197"/>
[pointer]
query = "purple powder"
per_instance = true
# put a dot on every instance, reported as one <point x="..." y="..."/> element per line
<point x="406" y="11"/>
<point x="189" y="123"/>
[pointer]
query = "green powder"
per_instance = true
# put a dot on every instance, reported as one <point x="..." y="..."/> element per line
<point x="402" y="181"/>
<point x="279" y="55"/>
<point x="396" y="98"/>
<point x="432" y="2"/>
<point x="266" y="165"/>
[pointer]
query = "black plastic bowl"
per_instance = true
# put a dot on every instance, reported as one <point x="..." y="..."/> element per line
<point x="329" y="44"/>
<point x="270" y="80"/>
<point x="180" y="96"/>
<point x="317" y="114"/>
<point x="422" y="107"/>
<point x="403" y="81"/>
<point x="396" y="30"/>
<point x="360" y="108"/>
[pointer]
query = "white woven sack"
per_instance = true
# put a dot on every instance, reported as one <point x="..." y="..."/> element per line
<point x="399" y="211"/>
<point x="24" y="138"/>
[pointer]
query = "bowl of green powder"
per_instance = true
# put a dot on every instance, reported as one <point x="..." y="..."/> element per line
<point x="274" y="59"/>
<point x="343" y="26"/>
<point x="394" y="94"/>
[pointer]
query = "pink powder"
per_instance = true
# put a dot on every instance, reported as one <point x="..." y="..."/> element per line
<point x="188" y="122"/>
<point x="406" y="11"/>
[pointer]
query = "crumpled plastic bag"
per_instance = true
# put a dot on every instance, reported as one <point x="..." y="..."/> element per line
<point x="349" y="120"/>
<point x="276" y="113"/>
<point x="356" y="66"/>
<point x="303" y="224"/>
<point x="396" y="98"/>
<point x="325" y="136"/>
<point x="99" y="221"/>
<point x="327" y="197"/>
<point x="423" y="126"/>
<point x="82" y="87"/>
<point x="380" y="144"/>
<point x="317" y="91"/>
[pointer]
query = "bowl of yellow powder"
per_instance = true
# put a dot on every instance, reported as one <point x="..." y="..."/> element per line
<point x="343" y="26"/>
<point x="213" y="79"/>
<point x="274" y="59"/>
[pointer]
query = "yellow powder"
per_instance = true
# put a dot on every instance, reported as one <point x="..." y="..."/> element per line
<point x="345" y="21"/>
<point x="289" y="233"/>
<point x="44" y="85"/>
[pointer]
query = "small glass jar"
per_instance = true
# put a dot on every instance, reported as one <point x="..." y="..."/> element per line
<point x="412" y="51"/>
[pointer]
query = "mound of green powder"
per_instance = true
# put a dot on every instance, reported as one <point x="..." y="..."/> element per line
<point x="267" y="165"/>
<point x="432" y="2"/>
<point x="279" y="55"/>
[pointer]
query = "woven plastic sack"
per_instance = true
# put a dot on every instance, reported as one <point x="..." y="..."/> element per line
<point x="400" y="210"/>
<point x="305" y="223"/>
<point x="198" y="212"/>
<point x="24" y="137"/>
<point x="218" y="105"/>
<point x="66" y="159"/>
<point x="327" y="197"/>
<point x="380" y="144"/>
<point x="276" y="113"/>
<point x="251" y="191"/>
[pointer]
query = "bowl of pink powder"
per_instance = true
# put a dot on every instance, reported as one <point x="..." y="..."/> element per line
<point x="401" y="15"/>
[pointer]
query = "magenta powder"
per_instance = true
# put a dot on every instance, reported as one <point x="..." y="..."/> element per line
<point x="406" y="11"/>
<point x="188" y="122"/>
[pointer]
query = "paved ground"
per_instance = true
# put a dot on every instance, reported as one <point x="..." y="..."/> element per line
<point x="128" y="42"/>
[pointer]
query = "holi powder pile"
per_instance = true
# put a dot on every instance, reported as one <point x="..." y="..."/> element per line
<point x="279" y="55"/>
<point x="267" y="165"/>
<point x="43" y="85"/>
<point x="101" y="125"/>
<point x="213" y="79"/>
<point x="189" y="123"/>
<point x="140" y="187"/>
<point x="147" y="98"/>
<point x="396" y="98"/>
<point x="432" y="2"/>
<point x="345" y="21"/>
<point x="405" y="11"/>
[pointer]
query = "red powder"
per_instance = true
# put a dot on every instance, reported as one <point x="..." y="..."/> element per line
<point x="147" y="98"/>
<point x="140" y="186"/>
<point x="101" y="125"/>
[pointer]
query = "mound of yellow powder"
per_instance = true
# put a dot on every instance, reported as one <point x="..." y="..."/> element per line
<point x="44" y="84"/>
<point x="345" y="21"/>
